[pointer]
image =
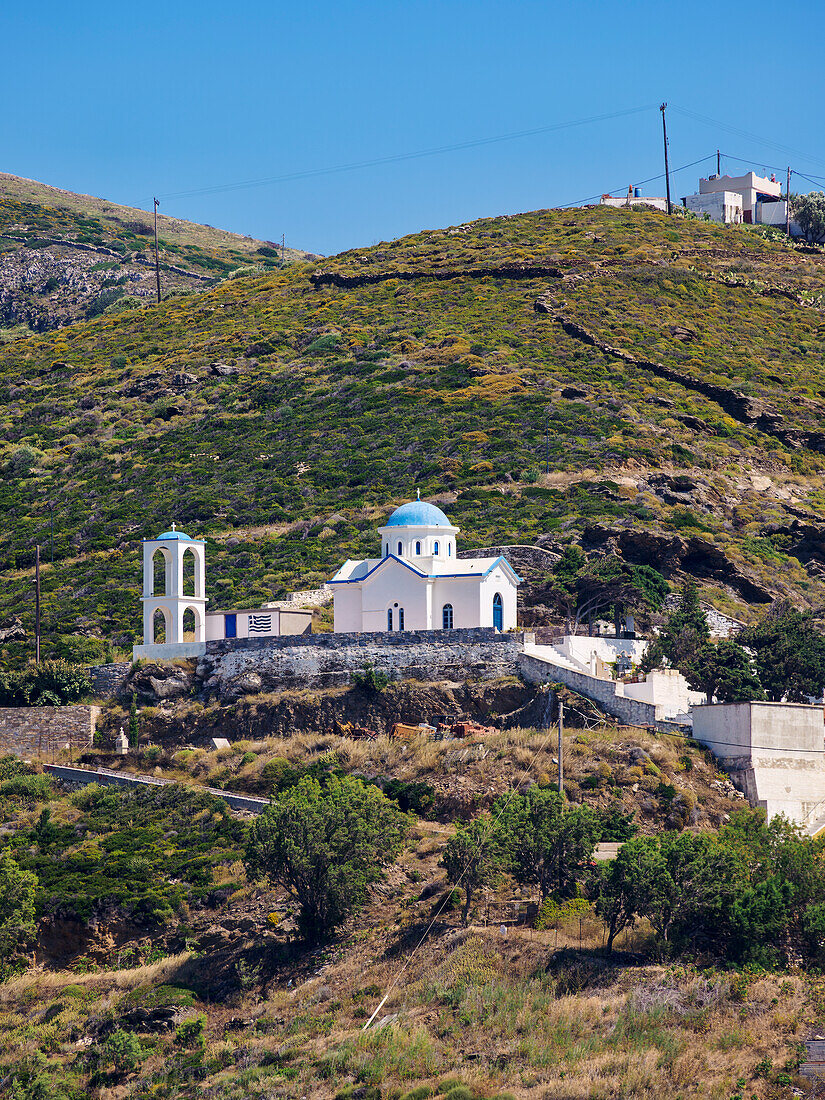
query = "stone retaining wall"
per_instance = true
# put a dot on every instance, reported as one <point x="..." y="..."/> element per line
<point x="34" y="732"/>
<point x="327" y="660"/>
<point x="631" y="712"/>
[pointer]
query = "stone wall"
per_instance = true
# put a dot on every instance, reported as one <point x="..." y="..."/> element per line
<point x="632" y="712"/>
<point x="34" y="732"/>
<point x="108" y="680"/>
<point x="327" y="660"/>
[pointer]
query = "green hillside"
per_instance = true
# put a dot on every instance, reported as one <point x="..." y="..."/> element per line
<point x="603" y="375"/>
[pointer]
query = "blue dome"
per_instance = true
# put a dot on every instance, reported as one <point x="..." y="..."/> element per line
<point x="179" y="535"/>
<point x="418" y="513"/>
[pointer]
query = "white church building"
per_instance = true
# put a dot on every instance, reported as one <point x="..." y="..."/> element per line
<point x="419" y="583"/>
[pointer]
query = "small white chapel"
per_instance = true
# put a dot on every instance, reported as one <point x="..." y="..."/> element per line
<point x="419" y="583"/>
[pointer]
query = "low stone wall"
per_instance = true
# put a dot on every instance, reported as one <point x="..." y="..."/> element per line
<point x="108" y="680"/>
<point x="631" y="712"/>
<point x="34" y="732"/>
<point x="327" y="660"/>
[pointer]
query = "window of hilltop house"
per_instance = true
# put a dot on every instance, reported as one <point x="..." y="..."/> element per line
<point x="435" y="549"/>
<point x="447" y="616"/>
<point x="418" y="548"/>
<point x="400" y="618"/>
<point x="389" y="618"/>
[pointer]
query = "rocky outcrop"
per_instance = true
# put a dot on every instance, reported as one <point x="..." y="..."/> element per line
<point x="672" y="554"/>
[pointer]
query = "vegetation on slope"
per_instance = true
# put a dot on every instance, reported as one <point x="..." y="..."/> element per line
<point x="225" y="1002"/>
<point x="460" y="371"/>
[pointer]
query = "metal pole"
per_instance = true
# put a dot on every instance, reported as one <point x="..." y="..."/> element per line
<point x="718" y="163"/>
<point x="157" y="261"/>
<point x="667" y="170"/>
<point x="561" y="747"/>
<point x="37" y="604"/>
<point x="788" y="205"/>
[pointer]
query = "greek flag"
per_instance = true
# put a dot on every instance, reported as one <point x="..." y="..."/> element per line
<point x="260" y="624"/>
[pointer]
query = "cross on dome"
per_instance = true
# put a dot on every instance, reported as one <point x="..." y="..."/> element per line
<point x="174" y="525"/>
<point x="418" y="494"/>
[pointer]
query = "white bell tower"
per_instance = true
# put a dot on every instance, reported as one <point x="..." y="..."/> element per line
<point x="179" y="590"/>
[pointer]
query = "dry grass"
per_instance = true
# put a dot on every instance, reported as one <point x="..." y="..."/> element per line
<point x="53" y="980"/>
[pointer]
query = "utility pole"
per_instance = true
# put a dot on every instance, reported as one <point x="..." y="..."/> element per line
<point x="718" y="163"/>
<point x="51" y="528"/>
<point x="788" y="205"/>
<point x="667" y="170"/>
<point x="561" y="747"/>
<point x="37" y="604"/>
<point x="157" y="260"/>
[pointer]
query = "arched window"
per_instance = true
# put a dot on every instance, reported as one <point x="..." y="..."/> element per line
<point x="447" y="616"/>
<point x="418" y="548"/>
<point x="160" y="626"/>
<point x="389" y="618"/>
<point x="160" y="573"/>
<point x="449" y="549"/>
<point x="498" y="611"/>
<point x="189" y="573"/>
<point x="189" y="625"/>
<point x="435" y="548"/>
<point x="399" y="549"/>
<point x="400" y="618"/>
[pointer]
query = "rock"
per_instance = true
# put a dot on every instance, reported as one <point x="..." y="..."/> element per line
<point x="172" y="688"/>
<point x="248" y="684"/>
<point x="571" y="393"/>
<point x="222" y="369"/>
<point x="183" y="378"/>
<point x="12" y="628"/>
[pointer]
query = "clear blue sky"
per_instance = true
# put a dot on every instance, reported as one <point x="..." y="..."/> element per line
<point x="126" y="100"/>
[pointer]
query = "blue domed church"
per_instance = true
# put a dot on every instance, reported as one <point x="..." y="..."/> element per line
<point x="419" y="583"/>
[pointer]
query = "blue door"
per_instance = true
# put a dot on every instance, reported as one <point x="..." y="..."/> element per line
<point x="498" y="612"/>
<point x="230" y="626"/>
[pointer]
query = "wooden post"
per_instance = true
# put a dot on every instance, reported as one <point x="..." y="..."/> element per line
<point x="667" y="170"/>
<point x="788" y="205"/>
<point x="157" y="260"/>
<point x="718" y="163"/>
<point x="561" y="747"/>
<point x="37" y="604"/>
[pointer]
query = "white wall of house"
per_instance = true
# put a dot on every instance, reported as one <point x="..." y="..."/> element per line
<point x="720" y="206"/>
<point x="749" y="186"/>
<point x="666" y="688"/>
<point x="258" y="622"/>
<point x="775" y="753"/>
<point x="584" y="650"/>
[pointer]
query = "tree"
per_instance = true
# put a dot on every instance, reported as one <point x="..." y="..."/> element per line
<point x="18" y="889"/>
<point x="549" y="842"/>
<point x="724" y="670"/>
<point x="325" y="845"/>
<point x="608" y="585"/>
<point x="789" y="654"/>
<point x="685" y="632"/>
<point x="134" y="727"/>
<point x="809" y="214"/>
<point x="474" y="858"/>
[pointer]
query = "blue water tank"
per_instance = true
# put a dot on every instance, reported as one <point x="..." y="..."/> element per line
<point x="637" y="193"/>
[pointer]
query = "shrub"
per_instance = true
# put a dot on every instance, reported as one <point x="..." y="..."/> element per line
<point x="324" y="846"/>
<point x="371" y="679"/>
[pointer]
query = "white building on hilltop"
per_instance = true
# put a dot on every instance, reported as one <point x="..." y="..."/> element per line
<point x="748" y="198"/>
<point x="419" y="583"/>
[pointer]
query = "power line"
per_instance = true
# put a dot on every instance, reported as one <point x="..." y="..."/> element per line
<point x="746" y="134"/>
<point x="639" y="183"/>
<point x="445" y="899"/>
<point x="398" y="157"/>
